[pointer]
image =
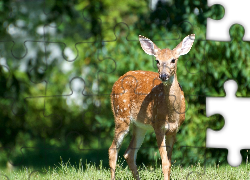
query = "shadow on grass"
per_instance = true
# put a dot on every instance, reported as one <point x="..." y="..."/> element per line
<point x="46" y="155"/>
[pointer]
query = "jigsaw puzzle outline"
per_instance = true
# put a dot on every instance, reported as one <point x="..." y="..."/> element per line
<point x="73" y="77"/>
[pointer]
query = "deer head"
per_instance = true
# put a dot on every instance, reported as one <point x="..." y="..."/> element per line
<point x="166" y="59"/>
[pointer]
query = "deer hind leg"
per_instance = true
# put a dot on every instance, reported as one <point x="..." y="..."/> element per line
<point x="120" y="133"/>
<point x="131" y="152"/>
<point x="165" y="155"/>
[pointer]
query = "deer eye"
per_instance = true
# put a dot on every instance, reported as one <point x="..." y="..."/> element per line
<point x="157" y="61"/>
<point x="173" y="61"/>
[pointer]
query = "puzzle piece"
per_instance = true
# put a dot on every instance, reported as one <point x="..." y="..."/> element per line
<point x="157" y="18"/>
<point x="91" y="67"/>
<point x="206" y="160"/>
<point x="77" y="29"/>
<point x="230" y="53"/>
<point x="234" y="111"/>
<point x="17" y="26"/>
<point x="19" y="103"/>
<point x="218" y="30"/>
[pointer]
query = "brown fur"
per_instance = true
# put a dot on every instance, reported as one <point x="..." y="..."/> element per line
<point x="140" y="98"/>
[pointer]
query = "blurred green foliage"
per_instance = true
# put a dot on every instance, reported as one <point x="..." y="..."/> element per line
<point x="59" y="60"/>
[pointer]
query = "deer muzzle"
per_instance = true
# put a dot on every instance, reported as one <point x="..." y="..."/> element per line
<point x="164" y="77"/>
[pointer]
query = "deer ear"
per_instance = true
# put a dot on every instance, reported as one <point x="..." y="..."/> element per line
<point x="185" y="45"/>
<point x="148" y="46"/>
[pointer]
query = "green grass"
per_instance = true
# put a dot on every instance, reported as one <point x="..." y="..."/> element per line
<point x="90" y="171"/>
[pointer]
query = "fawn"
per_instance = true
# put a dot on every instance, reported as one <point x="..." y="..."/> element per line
<point x="149" y="100"/>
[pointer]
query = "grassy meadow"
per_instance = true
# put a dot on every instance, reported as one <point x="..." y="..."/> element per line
<point x="89" y="171"/>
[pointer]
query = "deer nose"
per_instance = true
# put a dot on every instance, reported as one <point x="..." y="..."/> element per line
<point x="164" y="77"/>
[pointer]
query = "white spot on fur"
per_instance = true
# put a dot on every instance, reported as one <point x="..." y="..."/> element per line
<point x="166" y="126"/>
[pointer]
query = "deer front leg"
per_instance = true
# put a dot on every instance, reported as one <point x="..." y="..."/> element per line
<point x="170" y="140"/>
<point x="166" y="162"/>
